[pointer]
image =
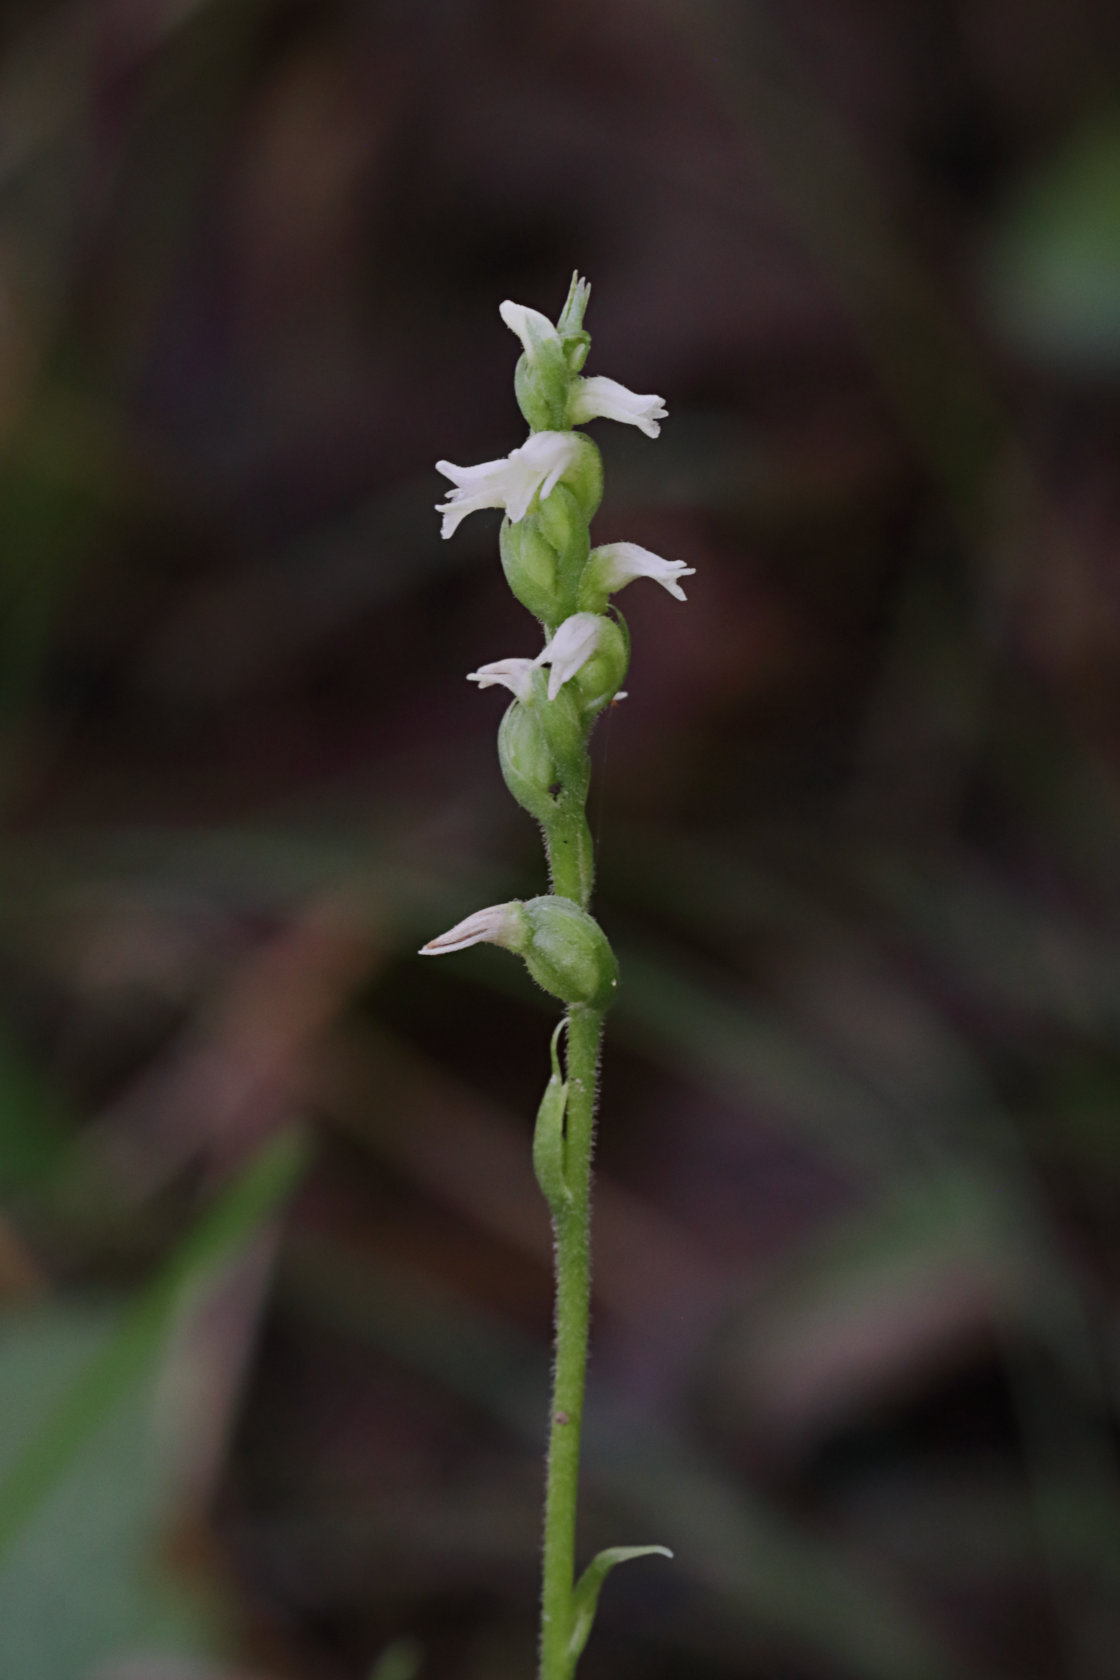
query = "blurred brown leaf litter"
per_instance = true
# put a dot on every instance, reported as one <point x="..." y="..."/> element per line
<point x="276" y="1415"/>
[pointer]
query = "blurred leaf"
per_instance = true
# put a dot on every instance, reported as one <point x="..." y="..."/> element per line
<point x="34" y="1132"/>
<point x="399" y="1661"/>
<point x="62" y="1431"/>
<point x="82" y="1583"/>
<point x="1054" y="281"/>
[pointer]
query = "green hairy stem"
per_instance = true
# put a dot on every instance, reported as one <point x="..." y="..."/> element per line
<point x="551" y="487"/>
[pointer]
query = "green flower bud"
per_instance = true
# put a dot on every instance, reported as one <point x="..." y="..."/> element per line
<point x="527" y="763"/>
<point x="545" y="553"/>
<point x="531" y="564"/>
<point x="542" y="376"/>
<point x="568" y="952"/>
<point x="563" y="524"/>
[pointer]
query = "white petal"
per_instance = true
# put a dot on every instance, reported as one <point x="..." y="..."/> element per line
<point x="597" y="397"/>
<point x="617" y="564"/>
<point x="483" y="486"/>
<point x="511" y="482"/>
<point x="570" y="649"/>
<point x="500" y="924"/>
<point x="535" y="330"/>
<point x="541" y="461"/>
<point x="514" y="674"/>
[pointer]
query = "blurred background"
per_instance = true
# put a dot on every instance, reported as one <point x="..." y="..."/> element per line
<point x="274" y="1273"/>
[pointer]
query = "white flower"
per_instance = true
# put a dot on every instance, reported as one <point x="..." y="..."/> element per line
<point x="617" y="564"/>
<point x="538" y="336"/>
<point x="510" y="483"/>
<point x="500" y="924"/>
<point x="570" y="648"/>
<point x="514" y="674"/>
<point x="595" y="397"/>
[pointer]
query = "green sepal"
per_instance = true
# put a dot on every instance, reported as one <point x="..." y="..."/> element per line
<point x="585" y="1595"/>
<point x="563" y="524"/>
<point x="528" y="766"/>
<point x="563" y="726"/>
<point x="585" y="476"/>
<point x="548" y="1134"/>
<point x="544" y="555"/>
<point x="568" y="954"/>
<point x="541" y="384"/>
<point x="599" y="679"/>
<point x="531" y="565"/>
<point x="569" y="323"/>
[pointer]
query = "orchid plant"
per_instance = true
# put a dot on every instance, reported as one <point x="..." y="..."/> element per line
<point x="550" y="488"/>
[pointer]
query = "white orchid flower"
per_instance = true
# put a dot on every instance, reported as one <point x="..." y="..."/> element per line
<point x="499" y="924"/>
<point x="617" y="564"/>
<point x="597" y="398"/>
<point x="510" y="483"/>
<point x="538" y="336"/>
<point x="514" y="674"/>
<point x="571" y="647"/>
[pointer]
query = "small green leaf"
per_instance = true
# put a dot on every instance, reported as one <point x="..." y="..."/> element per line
<point x="585" y="1598"/>
<point x="548" y="1136"/>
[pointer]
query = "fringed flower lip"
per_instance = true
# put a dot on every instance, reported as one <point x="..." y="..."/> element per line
<point x="566" y="653"/>
<point x="510" y="482"/>
<point x="614" y="565"/>
<point x="599" y="398"/>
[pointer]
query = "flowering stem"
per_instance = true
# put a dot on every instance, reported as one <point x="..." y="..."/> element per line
<point x="550" y="488"/>
<point x="571" y="852"/>
<point x="571" y="1223"/>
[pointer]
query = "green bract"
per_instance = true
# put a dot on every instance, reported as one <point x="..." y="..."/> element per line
<point x="568" y="953"/>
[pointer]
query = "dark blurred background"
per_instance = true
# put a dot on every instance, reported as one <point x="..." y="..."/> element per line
<point x="274" y="1271"/>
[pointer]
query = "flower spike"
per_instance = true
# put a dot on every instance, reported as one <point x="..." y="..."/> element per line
<point x="599" y="398"/>
<point x="550" y="488"/>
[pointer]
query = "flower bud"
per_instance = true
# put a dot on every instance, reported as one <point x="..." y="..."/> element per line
<point x="542" y="377"/>
<point x="544" y="555"/>
<point x="564" y="525"/>
<point x="527" y="763"/>
<point x="531" y="564"/>
<point x="568" y="954"/>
